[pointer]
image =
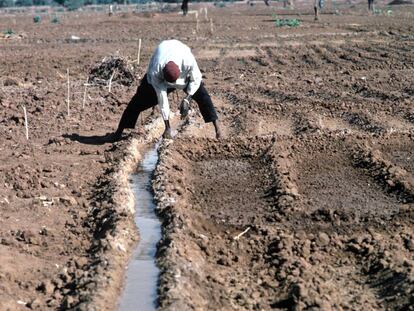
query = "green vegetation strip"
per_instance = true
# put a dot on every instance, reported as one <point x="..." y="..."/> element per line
<point x="280" y="22"/>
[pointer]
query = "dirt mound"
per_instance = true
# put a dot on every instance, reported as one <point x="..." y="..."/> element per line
<point x="112" y="66"/>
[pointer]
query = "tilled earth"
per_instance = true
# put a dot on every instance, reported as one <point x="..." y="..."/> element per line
<point x="307" y="203"/>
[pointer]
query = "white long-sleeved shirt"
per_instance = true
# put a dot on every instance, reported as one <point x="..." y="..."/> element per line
<point x="190" y="75"/>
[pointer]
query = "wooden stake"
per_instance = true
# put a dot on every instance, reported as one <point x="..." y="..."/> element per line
<point x="205" y="14"/>
<point x="84" y="94"/>
<point x="26" y="123"/>
<point x="241" y="234"/>
<point x="68" y="99"/>
<point x="211" y="25"/>
<point x="139" y="51"/>
<point x="110" y="81"/>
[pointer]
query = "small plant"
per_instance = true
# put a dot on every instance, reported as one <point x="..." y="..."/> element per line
<point x="377" y="11"/>
<point x="37" y="19"/>
<point x="291" y="22"/>
<point x="387" y="11"/>
<point x="55" y="20"/>
<point x="8" y="32"/>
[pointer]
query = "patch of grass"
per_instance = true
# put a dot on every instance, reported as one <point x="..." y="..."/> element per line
<point x="55" y="20"/>
<point x="8" y="32"/>
<point x="37" y="19"/>
<point x="290" y="22"/>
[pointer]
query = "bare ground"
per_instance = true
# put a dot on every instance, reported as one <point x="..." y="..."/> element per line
<point x="317" y="163"/>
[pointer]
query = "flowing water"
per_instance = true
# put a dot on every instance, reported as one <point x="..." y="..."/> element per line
<point x="140" y="292"/>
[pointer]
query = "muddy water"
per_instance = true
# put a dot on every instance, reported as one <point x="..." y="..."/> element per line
<point x="142" y="274"/>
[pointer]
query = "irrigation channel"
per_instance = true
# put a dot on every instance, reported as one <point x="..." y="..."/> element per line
<point x="140" y="291"/>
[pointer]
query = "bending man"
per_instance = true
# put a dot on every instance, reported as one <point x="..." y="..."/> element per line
<point x="172" y="66"/>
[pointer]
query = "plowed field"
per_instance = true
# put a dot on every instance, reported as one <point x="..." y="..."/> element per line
<point x="307" y="203"/>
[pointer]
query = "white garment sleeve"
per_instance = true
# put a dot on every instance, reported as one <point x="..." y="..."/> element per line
<point x="156" y="80"/>
<point x="195" y="77"/>
<point x="163" y="103"/>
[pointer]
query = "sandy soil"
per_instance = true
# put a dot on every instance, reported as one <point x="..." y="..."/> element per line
<point x="317" y="162"/>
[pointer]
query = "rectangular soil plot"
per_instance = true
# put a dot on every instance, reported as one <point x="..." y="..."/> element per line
<point x="230" y="190"/>
<point x="228" y="182"/>
<point x="330" y="183"/>
<point x="214" y="192"/>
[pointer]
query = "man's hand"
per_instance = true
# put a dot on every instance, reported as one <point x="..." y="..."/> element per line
<point x="185" y="107"/>
<point x="167" y="134"/>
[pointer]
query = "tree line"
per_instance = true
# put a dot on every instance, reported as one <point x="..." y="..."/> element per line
<point x="74" y="4"/>
<point x="67" y="3"/>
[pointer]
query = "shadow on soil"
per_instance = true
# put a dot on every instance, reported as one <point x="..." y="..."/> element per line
<point x="94" y="139"/>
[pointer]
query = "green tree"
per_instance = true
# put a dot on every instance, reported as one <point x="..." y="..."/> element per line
<point x="6" y="3"/>
<point x="41" y="2"/>
<point x="24" y="2"/>
<point x="74" y="4"/>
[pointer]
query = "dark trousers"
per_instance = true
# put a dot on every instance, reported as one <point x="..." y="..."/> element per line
<point x="146" y="97"/>
<point x="371" y="5"/>
<point x="184" y="7"/>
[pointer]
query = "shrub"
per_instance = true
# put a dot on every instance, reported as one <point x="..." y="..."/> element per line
<point x="37" y="19"/>
<point x="8" y="32"/>
<point x="280" y="22"/>
<point x="55" y="20"/>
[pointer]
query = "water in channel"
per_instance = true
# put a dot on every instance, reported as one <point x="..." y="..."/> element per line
<point x="140" y="292"/>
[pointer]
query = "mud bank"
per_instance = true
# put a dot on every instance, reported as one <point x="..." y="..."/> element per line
<point x="111" y="221"/>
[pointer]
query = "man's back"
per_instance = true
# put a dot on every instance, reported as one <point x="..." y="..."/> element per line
<point x="169" y="50"/>
<point x="180" y="54"/>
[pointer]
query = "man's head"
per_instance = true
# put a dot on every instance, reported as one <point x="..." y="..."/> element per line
<point x="171" y="72"/>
